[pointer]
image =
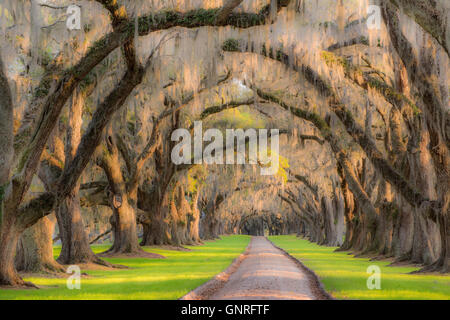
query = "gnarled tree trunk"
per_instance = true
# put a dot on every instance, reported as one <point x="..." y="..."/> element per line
<point x="195" y="220"/>
<point x="75" y="243"/>
<point x="35" y="248"/>
<point x="123" y="201"/>
<point x="124" y="228"/>
<point x="9" y="238"/>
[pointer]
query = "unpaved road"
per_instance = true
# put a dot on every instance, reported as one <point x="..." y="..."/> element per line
<point x="267" y="273"/>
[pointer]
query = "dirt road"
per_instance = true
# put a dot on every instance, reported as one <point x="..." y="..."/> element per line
<point x="267" y="273"/>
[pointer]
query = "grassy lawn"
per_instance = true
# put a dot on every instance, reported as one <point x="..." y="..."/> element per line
<point x="345" y="277"/>
<point x="169" y="278"/>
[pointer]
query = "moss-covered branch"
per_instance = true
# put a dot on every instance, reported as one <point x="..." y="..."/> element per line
<point x="366" y="81"/>
<point x="36" y="209"/>
<point x="219" y="108"/>
<point x="358" y="40"/>
<point x="200" y="17"/>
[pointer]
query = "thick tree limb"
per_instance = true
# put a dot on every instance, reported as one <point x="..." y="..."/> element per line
<point x="55" y="89"/>
<point x="98" y="197"/>
<point x="91" y="139"/>
<point x="311" y="137"/>
<point x="94" y="185"/>
<point x="6" y="128"/>
<point x="100" y="236"/>
<point x="348" y="43"/>
<point x="226" y="10"/>
<point x="422" y="80"/>
<point x="307" y="183"/>
<point x="366" y="81"/>
<point x="429" y="16"/>
<point x="59" y="90"/>
<point x="224" y="106"/>
<point x="125" y="152"/>
<point x="51" y="95"/>
<point x="35" y="209"/>
<point x="298" y="210"/>
<point x="155" y="138"/>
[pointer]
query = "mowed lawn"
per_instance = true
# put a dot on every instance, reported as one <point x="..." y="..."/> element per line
<point x="345" y="276"/>
<point x="169" y="278"/>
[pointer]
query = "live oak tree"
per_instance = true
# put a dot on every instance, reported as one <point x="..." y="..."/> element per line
<point x="51" y="95"/>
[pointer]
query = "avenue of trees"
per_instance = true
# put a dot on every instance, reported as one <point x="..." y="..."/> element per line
<point x="87" y="117"/>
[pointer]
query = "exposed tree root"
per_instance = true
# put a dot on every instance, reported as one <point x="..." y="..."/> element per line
<point x="17" y="282"/>
<point x="379" y="257"/>
<point x="133" y="254"/>
<point x="404" y="258"/>
<point x="363" y="254"/>
<point x="47" y="268"/>
<point x="175" y="248"/>
<point x="438" y="266"/>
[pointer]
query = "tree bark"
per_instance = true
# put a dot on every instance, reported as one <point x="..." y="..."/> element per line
<point x="156" y="204"/>
<point x="195" y="221"/>
<point x="35" y="249"/>
<point x="157" y="231"/>
<point x="124" y="213"/>
<point x="6" y="131"/>
<point x="9" y="237"/>
<point x="420" y="77"/>
<point x="209" y="227"/>
<point x="75" y="244"/>
<point x="125" y="229"/>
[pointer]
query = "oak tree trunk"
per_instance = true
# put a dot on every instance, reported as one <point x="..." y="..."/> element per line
<point x="9" y="237"/>
<point x="124" y="229"/>
<point x="35" y="249"/>
<point x="75" y="243"/>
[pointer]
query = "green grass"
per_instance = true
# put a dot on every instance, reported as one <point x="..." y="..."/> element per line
<point x="169" y="278"/>
<point x="345" y="276"/>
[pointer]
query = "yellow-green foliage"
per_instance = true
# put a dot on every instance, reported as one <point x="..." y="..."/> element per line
<point x="6" y="16"/>
<point x="332" y="59"/>
<point x="238" y="118"/>
<point x="196" y="177"/>
<point x="283" y="165"/>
